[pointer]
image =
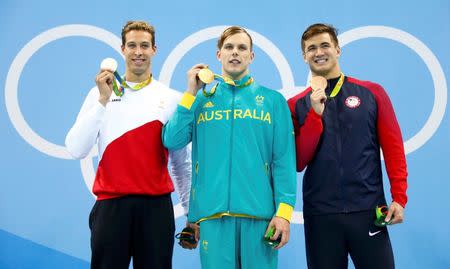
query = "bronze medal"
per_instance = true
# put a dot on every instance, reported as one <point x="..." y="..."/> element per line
<point x="318" y="83"/>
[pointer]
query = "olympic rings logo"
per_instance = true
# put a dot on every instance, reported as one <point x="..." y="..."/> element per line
<point x="287" y="79"/>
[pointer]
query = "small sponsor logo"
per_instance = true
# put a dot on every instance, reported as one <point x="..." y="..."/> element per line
<point x="208" y="104"/>
<point x="374" y="233"/>
<point x="161" y="104"/>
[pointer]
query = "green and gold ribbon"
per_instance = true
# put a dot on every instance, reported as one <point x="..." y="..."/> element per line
<point x="207" y="76"/>
<point x="338" y="86"/>
<point x="119" y="91"/>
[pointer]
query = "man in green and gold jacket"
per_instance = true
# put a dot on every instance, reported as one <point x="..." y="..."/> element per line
<point x="243" y="157"/>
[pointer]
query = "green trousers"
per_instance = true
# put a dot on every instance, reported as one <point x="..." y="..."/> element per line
<point x="231" y="242"/>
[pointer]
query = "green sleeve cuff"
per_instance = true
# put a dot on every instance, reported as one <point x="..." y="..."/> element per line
<point x="187" y="100"/>
<point x="285" y="211"/>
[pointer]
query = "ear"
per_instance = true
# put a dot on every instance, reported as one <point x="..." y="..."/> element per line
<point x="304" y="57"/>
<point x="338" y="49"/>
<point x="122" y="48"/>
<point x="218" y="55"/>
<point x="155" y="49"/>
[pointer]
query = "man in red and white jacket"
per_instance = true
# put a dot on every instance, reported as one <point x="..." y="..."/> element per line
<point x="133" y="215"/>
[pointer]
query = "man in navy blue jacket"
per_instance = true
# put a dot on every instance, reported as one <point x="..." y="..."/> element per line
<point x="340" y="124"/>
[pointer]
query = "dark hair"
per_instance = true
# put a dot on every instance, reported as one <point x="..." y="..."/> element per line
<point x="319" y="28"/>
<point x="138" y="26"/>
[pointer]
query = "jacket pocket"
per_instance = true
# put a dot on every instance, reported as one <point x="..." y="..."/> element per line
<point x="92" y="215"/>
<point x="194" y="180"/>
<point x="267" y="169"/>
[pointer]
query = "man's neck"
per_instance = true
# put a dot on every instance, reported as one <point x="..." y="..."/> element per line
<point x="336" y="72"/>
<point x="130" y="77"/>
<point x="236" y="77"/>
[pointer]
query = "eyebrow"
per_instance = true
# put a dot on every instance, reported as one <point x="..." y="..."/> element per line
<point x="238" y="44"/>
<point x="323" y="43"/>
<point x="134" y="42"/>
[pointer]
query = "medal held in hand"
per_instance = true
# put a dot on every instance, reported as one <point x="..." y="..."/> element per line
<point x="111" y="65"/>
<point x="206" y="76"/>
<point x="318" y="83"/>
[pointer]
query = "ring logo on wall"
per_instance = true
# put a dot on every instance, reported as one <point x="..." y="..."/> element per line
<point x="287" y="79"/>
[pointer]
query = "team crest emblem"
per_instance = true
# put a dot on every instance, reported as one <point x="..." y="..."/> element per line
<point x="352" y="101"/>
<point x="259" y="100"/>
<point x="205" y="245"/>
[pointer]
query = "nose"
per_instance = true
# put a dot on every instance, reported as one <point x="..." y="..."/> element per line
<point x="319" y="51"/>
<point x="138" y="51"/>
<point x="235" y="51"/>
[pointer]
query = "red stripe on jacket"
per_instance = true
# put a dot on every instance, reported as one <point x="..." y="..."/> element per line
<point x="134" y="163"/>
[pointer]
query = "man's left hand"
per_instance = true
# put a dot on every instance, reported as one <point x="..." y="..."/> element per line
<point x="395" y="213"/>
<point x="282" y="228"/>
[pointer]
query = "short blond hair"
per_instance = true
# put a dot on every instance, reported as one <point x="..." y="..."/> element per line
<point x="232" y="31"/>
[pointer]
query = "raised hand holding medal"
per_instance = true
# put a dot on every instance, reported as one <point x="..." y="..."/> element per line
<point x="319" y="83"/>
<point x="318" y="96"/>
<point x="206" y="76"/>
<point x="104" y="80"/>
<point x="111" y="65"/>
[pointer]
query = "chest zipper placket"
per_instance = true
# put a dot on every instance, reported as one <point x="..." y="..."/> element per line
<point x="233" y="89"/>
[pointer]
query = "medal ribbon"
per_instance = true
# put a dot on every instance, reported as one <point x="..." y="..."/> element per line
<point x="228" y="81"/>
<point x="338" y="86"/>
<point x="119" y="91"/>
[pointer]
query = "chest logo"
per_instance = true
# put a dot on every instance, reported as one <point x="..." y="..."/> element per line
<point x="209" y="104"/>
<point x="352" y="101"/>
<point x="259" y="100"/>
<point x="161" y="104"/>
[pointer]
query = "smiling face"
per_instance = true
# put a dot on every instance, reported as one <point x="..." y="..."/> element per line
<point x="138" y="51"/>
<point x="236" y="55"/>
<point x="322" y="54"/>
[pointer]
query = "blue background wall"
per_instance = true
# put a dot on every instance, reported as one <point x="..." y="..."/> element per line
<point x="48" y="65"/>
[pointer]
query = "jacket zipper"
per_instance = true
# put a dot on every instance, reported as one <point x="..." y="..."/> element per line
<point x="231" y="149"/>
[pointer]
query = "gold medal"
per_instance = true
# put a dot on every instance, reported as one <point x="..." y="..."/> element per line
<point x="206" y="75"/>
<point x="318" y="83"/>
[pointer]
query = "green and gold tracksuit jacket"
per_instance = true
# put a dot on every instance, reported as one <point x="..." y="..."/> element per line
<point x="243" y="151"/>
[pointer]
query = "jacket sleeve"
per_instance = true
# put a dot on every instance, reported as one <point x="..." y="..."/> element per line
<point x="307" y="127"/>
<point x="391" y="143"/>
<point x="283" y="162"/>
<point x="180" y="166"/>
<point x="177" y="132"/>
<point x="84" y="133"/>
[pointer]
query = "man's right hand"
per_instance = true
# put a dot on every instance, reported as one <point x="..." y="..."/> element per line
<point x="196" y="229"/>
<point x="104" y="81"/>
<point x="318" y="96"/>
<point x="194" y="83"/>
